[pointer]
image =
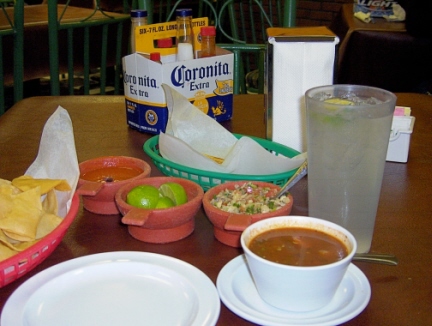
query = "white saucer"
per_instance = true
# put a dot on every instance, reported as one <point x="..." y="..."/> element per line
<point x="237" y="291"/>
<point x="115" y="288"/>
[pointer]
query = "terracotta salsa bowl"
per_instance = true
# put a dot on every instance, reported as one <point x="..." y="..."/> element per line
<point x="227" y="227"/>
<point x="161" y="225"/>
<point x="99" y="196"/>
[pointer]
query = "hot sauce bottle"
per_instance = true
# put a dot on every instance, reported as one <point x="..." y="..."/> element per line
<point x="208" y="42"/>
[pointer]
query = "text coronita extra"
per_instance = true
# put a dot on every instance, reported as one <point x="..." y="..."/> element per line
<point x="181" y="74"/>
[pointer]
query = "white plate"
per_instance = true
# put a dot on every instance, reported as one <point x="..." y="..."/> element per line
<point x="115" y="288"/>
<point x="237" y="291"/>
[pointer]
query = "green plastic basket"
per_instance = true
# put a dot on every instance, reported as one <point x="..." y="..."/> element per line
<point x="207" y="179"/>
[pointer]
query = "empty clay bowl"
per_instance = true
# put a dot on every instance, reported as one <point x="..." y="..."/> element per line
<point x="101" y="184"/>
<point x="161" y="225"/>
<point x="227" y="227"/>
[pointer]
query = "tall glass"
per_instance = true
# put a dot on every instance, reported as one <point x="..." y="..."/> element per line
<point x="348" y="131"/>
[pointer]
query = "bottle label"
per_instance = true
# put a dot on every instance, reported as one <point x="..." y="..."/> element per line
<point x="146" y="36"/>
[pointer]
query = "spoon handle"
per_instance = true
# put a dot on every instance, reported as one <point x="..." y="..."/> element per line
<point x="377" y="258"/>
<point x="300" y="173"/>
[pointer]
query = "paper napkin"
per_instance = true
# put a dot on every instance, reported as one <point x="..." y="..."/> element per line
<point x="57" y="158"/>
<point x="194" y="139"/>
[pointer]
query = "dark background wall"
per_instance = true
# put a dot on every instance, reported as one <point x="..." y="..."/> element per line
<point x="318" y="12"/>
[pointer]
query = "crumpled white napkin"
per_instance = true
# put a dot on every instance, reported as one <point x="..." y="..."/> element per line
<point x="190" y="135"/>
<point x="57" y="158"/>
<point x="399" y="13"/>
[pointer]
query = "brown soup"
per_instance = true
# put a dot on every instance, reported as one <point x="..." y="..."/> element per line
<point x="298" y="247"/>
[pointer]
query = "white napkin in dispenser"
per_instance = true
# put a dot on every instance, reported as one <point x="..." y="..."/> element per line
<point x="297" y="59"/>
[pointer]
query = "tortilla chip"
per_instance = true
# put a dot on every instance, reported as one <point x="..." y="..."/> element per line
<point x="6" y="187"/>
<point x="20" y="223"/>
<point x="16" y="246"/>
<point x="27" y="182"/>
<point x="24" y="218"/>
<point x="47" y="224"/>
<point x="218" y="160"/>
<point x="6" y="241"/>
<point x="6" y="204"/>
<point x="50" y="203"/>
<point x="7" y="192"/>
<point x="21" y="246"/>
<point x="5" y="182"/>
<point x="6" y="252"/>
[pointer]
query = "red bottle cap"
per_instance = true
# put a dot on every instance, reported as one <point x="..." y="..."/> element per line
<point x="208" y="31"/>
<point x="155" y="56"/>
<point x="165" y="43"/>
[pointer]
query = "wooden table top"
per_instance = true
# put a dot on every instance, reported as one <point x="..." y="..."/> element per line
<point x="37" y="15"/>
<point x="401" y="295"/>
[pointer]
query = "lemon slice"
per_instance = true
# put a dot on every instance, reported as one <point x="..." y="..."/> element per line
<point x="339" y="101"/>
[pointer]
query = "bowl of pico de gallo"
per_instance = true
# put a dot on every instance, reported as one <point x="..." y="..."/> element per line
<point x="233" y="206"/>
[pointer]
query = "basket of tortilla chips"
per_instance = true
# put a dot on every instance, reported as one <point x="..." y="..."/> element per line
<point x="30" y="227"/>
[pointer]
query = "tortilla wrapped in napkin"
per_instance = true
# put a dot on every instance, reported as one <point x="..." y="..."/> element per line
<point x="194" y="139"/>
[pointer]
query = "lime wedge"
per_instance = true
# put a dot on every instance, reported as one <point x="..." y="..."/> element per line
<point x="174" y="191"/>
<point x="144" y="196"/>
<point x="164" y="202"/>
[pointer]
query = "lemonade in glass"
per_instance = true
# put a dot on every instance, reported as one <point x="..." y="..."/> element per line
<point x="348" y="131"/>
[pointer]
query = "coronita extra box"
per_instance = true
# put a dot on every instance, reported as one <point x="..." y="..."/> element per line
<point x="205" y="82"/>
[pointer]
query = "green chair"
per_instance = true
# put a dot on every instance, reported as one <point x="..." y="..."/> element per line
<point x="16" y="31"/>
<point x="244" y="22"/>
<point x="164" y="10"/>
<point x="241" y="26"/>
<point x="240" y="52"/>
<point x="101" y="36"/>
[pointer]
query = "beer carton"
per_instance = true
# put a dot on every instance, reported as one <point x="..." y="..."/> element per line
<point x="376" y="8"/>
<point x="206" y="82"/>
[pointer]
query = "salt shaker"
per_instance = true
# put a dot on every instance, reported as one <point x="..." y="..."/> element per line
<point x="138" y="18"/>
<point x="184" y="37"/>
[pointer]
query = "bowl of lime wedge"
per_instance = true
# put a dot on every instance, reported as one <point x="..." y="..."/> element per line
<point x="159" y="209"/>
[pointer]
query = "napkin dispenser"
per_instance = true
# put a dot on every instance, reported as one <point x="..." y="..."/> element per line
<point x="297" y="60"/>
<point x="400" y="136"/>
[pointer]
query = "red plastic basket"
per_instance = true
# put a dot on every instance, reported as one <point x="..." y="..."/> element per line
<point x="18" y="265"/>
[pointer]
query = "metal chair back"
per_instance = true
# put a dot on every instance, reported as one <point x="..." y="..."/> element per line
<point x="241" y="26"/>
<point x="16" y="31"/>
<point x="164" y="10"/>
<point x="246" y="21"/>
<point x="240" y="52"/>
<point x="100" y="34"/>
